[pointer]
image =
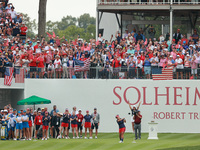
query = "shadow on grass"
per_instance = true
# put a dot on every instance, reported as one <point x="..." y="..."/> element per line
<point x="183" y="148"/>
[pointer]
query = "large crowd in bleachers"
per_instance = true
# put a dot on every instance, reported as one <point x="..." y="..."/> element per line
<point x="130" y="55"/>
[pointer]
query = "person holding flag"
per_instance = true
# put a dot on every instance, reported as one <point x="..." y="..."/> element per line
<point x="122" y="128"/>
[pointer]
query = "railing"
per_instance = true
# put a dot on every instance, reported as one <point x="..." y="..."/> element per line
<point x="147" y="2"/>
<point x="102" y="73"/>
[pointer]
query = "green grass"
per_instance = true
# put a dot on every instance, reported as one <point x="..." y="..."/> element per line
<point x="109" y="141"/>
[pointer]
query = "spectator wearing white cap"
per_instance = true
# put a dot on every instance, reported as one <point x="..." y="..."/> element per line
<point x="179" y="67"/>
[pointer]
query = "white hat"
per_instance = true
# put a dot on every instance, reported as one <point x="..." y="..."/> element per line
<point x="134" y="106"/>
<point x="170" y="56"/>
<point x="187" y="55"/>
<point x="79" y="110"/>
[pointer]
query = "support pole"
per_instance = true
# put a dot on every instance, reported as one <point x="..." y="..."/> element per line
<point x="97" y="20"/>
<point x="121" y="26"/>
<point x="171" y="24"/>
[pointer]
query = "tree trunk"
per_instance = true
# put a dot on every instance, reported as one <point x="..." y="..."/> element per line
<point x="42" y="18"/>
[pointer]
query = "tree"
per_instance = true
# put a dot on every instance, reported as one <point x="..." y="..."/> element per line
<point x="66" y="22"/>
<point x="72" y="32"/>
<point x="85" y="20"/>
<point x="42" y="18"/>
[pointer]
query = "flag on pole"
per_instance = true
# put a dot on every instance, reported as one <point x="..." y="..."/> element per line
<point x="8" y="76"/>
<point x="19" y="75"/>
<point x="82" y="65"/>
<point x="166" y="74"/>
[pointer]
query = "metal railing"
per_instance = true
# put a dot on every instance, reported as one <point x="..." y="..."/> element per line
<point x="148" y="2"/>
<point x="106" y="73"/>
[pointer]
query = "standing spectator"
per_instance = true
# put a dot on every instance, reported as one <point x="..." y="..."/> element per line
<point x="23" y="30"/>
<point x="195" y="36"/>
<point x="194" y="63"/>
<point x="73" y="120"/>
<point x="1" y="65"/>
<point x="80" y="124"/>
<point x="33" y="65"/>
<point x="116" y="67"/>
<point x="12" y="12"/>
<point x="19" y="125"/>
<point x="177" y="36"/>
<point x="152" y="32"/>
<point x="30" y="122"/>
<point x="147" y="67"/>
<point x="70" y="65"/>
<point x="58" y="64"/>
<point x="38" y="123"/>
<point x="64" y="65"/>
<point x="40" y="65"/>
<point x="45" y="127"/>
<point x="179" y="67"/>
<point x="50" y="70"/>
<point x="87" y="124"/>
<point x="137" y="126"/>
<point x="187" y="66"/>
<point x="139" y="65"/>
<point x="25" y="120"/>
<point x="96" y="120"/>
<point x="54" y="109"/>
<point x="131" y="65"/>
<point x="65" y="123"/>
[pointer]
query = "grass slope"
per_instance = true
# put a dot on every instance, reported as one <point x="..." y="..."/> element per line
<point x="109" y="141"/>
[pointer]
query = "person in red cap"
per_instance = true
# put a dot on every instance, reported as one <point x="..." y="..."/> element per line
<point x="80" y="119"/>
<point x="122" y="128"/>
<point x="45" y="127"/>
<point x="87" y="124"/>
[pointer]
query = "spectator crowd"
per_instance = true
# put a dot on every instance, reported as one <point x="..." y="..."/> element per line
<point x="129" y="56"/>
<point x="43" y="124"/>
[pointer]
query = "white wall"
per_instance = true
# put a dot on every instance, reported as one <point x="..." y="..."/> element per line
<point x="87" y="94"/>
<point x="109" y="24"/>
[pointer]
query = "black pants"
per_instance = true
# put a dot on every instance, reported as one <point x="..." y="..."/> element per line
<point x="56" y="130"/>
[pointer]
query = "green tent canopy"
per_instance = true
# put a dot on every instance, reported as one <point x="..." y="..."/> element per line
<point x="33" y="100"/>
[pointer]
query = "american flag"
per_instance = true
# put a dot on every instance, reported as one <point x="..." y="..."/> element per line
<point x="19" y="75"/>
<point x="8" y="76"/>
<point x="166" y="74"/>
<point x="82" y="65"/>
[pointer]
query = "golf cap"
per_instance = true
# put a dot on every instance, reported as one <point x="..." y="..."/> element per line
<point x="39" y="111"/>
<point x="116" y="116"/>
<point x="24" y="111"/>
<point x="87" y="111"/>
<point x="134" y="106"/>
<point x="19" y="112"/>
<point x="95" y="108"/>
<point x="79" y="110"/>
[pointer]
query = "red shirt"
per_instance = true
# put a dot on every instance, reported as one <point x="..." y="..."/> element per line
<point x="115" y="63"/>
<point x="38" y="120"/>
<point x="23" y="30"/>
<point x="150" y="55"/>
<point x="80" y="117"/>
<point x="41" y="62"/>
<point x="33" y="63"/>
<point x="137" y="119"/>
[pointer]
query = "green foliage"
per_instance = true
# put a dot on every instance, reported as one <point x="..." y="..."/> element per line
<point x="70" y="27"/>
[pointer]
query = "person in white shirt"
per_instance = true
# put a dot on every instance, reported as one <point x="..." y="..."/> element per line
<point x="139" y="64"/>
<point x="50" y="70"/>
<point x="179" y="67"/>
<point x="57" y="64"/>
<point x="64" y="65"/>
